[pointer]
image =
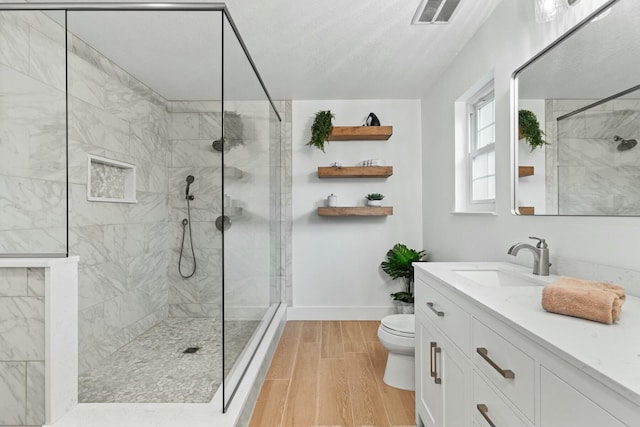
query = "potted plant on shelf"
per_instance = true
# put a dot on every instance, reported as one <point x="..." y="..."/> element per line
<point x="529" y="129"/>
<point x="374" y="199"/>
<point x="321" y="129"/>
<point x="398" y="265"/>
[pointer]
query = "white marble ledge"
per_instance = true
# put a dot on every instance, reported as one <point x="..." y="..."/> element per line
<point x="36" y="262"/>
<point x="608" y="353"/>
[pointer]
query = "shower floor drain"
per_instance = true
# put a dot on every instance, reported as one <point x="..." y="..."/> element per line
<point x="191" y="350"/>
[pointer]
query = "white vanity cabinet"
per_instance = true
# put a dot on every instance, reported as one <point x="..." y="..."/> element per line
<point x="443" y="339"/>
<point x="475" y="369"/>
<point x="442" y="393"/>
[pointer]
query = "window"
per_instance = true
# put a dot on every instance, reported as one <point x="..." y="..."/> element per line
<point x="481" y="157"/>
<point x="475" y="166"/>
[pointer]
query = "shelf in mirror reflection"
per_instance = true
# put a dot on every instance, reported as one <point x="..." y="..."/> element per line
<point x="526" y="210"/>
<point x="525" y="171"/>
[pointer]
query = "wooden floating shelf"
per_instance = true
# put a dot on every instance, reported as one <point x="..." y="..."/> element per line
<point x="355" y="172"/>
<point x="357" y="211"/>
<point x="527" y="210"/>
<point x="525" y="171"/>
<point x="361" y="133"/>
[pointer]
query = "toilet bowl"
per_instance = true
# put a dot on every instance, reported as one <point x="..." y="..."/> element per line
<point x="397" y="334"/>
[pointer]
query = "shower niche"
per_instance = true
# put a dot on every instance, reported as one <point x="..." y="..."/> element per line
<point x="110" y="180"/>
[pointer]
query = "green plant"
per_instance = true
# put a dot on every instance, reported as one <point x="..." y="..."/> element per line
<point x="529" y="128"/>
<point x="375" y="196"/>
<point x="398" y="265"/>
<point x="321" y="129"/>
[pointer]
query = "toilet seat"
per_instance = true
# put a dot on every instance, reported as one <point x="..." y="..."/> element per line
<point x="402" y="325"/>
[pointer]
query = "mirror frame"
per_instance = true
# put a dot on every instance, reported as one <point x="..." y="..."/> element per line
<point x="513" y="109"/>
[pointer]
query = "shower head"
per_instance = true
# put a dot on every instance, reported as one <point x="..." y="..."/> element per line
<point x="218" y="144"/>
<point x="625" y="144"/>
<point x="190" y="180"/>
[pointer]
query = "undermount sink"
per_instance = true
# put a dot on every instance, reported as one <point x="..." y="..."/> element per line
<point x="497" y="278"/>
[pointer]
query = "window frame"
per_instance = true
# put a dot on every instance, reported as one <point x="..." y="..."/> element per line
<point x="480" y="99"/>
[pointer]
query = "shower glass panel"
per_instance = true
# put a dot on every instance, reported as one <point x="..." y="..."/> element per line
<point x="145" y="91"/>
<point x="33" y="142"/>
<point x="133" y="135"/>
<point x="597" y="157"/>
<point x="251" y="209"/>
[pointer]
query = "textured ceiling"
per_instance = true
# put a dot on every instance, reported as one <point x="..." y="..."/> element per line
<point x="356" y="49"/>
<point x="330" y="49"/>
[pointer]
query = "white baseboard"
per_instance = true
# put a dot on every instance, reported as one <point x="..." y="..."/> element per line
<point x="339" y="313"/>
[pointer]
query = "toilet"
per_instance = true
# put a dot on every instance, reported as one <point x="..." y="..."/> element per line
<point x="397" y="333"/>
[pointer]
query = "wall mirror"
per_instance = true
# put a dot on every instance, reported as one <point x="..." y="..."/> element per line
<point x="585" y="93"/>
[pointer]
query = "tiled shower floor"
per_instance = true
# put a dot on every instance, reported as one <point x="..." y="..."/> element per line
<point x="153" y="367"/>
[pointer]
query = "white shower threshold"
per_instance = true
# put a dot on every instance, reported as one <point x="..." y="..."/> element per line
<point x="184" y="414"/>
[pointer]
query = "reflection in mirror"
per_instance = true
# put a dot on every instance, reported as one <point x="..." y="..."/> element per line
<point x="585" y="93"/>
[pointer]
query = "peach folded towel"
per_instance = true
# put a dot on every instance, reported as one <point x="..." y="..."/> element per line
<point x="572" y="281"/>
<point x="585" y="302"/>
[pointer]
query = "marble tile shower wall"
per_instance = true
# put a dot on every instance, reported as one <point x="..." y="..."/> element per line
<point x="285" y="221"/>
<point x="249" y="249"/>
<point x="585" y="171"/>
<point x="192" y="128"/>
<point x="32" y="134"/>
<point x="22" y="366"/>
<point x="123" y="285"/>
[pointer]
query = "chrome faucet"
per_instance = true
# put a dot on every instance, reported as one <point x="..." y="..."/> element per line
<point x="540" y="255"/>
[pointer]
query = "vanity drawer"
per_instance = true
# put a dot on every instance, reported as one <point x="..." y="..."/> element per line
<point x="488" y="403"/>
<point x="506" y="366"/>
<point x="454" y="322"/>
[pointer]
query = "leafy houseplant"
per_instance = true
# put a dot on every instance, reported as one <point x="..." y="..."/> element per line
<point x="398" y="265"/>
<point x="375" y="199"/>
<point x="321" y="129"/>
<point x="529" y="128"/>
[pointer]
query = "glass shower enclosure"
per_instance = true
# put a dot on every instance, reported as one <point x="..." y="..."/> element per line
<point x="142" y="139"/>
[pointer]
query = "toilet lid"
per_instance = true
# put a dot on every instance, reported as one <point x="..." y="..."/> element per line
<point x="404" y="323"/>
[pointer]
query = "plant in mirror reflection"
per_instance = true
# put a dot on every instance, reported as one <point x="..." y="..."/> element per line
<point x="529" y="129"/>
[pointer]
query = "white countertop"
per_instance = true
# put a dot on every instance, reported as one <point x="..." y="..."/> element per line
<point x="609" y="353"/>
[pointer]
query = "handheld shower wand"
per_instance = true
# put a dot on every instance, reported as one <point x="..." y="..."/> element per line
<point x="190" y="180"/>
<point x="186" y="223"/>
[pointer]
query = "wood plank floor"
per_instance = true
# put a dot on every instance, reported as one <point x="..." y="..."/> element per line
<point x="329" y="374"/>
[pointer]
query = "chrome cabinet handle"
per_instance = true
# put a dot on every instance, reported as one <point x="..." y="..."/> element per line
<point x="434" y="351"/>
<point x="438" y="313"/>
<point x="506" y="373"/>
<point x="484" y="411"/>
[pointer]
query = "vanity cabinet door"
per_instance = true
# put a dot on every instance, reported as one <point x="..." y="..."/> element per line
<point x="561" y="405"/>
<point x="443" y="382"/>
<point x="428" y="394"/>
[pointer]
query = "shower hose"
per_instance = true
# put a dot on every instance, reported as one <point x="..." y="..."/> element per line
<point x="187" y="223"/>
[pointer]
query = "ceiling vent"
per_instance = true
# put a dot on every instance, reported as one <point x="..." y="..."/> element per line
<point x="435" y="11"/>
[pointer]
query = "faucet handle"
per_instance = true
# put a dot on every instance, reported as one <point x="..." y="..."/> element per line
<point x="542" y="244"/>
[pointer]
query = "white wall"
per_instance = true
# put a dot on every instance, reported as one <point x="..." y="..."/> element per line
<point x="336" y="260"/>
<point x="505" y="42"/>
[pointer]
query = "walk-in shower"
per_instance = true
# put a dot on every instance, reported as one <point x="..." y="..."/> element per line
<point x="145" y="88"/>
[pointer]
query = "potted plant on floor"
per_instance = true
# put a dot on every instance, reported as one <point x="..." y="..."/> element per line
<point x="529" y="129"/>
<point x="374" y="199"/>
<point x="321" y="129"/>
<point x="397" y="264"/>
